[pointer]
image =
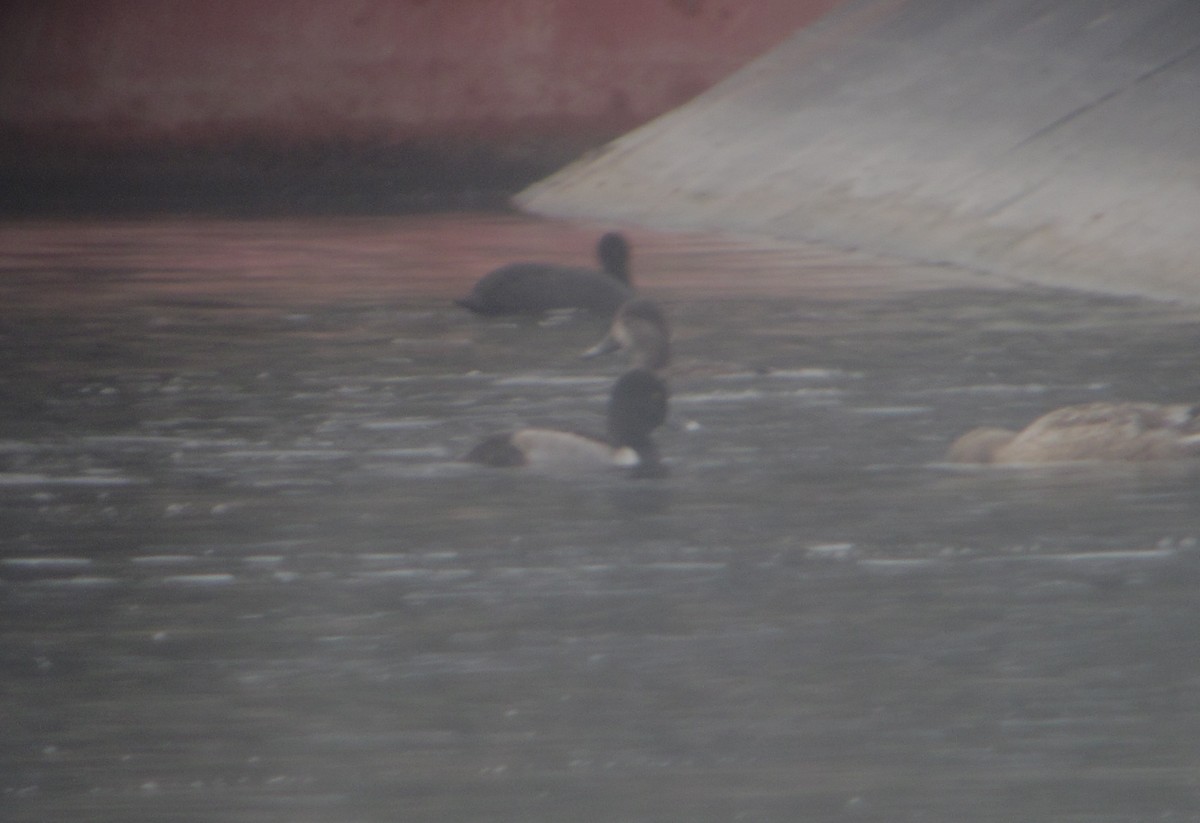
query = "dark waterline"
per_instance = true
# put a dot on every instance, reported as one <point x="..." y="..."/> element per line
<point x="242" y="577"/>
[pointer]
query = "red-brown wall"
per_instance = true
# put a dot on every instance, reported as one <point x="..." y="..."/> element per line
<point x="527" y="78"/>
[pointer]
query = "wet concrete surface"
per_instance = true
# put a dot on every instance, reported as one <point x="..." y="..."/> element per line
<point x="242" y="577"/>
<point x="1048" y="143"/>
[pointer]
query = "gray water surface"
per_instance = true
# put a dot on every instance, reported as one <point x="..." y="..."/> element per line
<point x="243" y="577"/>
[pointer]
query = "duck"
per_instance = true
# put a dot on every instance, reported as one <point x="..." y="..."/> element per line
<point x="536" y="288"/>
<point x="637" y="406"/>
<point x="1101" y="431"/>
<point x="639" y="327"/>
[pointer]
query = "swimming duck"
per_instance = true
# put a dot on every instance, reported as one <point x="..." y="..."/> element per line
<point x="1092" y="431"/>
<point x="639" y="327"/>
<point x="637" y="406"/>
<point x="534" y="288"/>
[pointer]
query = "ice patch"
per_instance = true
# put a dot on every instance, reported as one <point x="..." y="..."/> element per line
<point x="385" y="557"/>
<point x="719" y="397"/>
<point x="1017" y="388"/>
<point x="831" y="551"/>
<point x="21" y="479"/>
<point x="199" y="579"/>
<point x="436" y="575"/>
<point x="400" y="424"/>
<point x="811" y="374"/>
<point x="417" y="378"/>
<point x="790" y="374"/>
<point x="49" y="563"/>
<point x="993" y="388"/>
<point x="425" y="451"/>
<point x="292" y="483"/>
<point x="288" y="454"/>
<point x="1100" y="557"/>
<point x="547" y="380"/>
<point x="163" y="559"/>
<point x="131" y="440"/>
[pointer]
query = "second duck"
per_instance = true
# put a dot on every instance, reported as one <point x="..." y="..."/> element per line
<point x="535" y="288"/>
<point x="640" y="328"/>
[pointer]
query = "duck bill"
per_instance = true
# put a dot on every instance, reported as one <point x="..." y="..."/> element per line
<point x="606" y="346"/>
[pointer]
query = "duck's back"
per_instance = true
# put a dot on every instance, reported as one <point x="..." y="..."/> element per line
<point x="534" y="288"/>
<point x="1108" y="431"/>
<point x="559" y="451"/>
<point x="546" y="450"/>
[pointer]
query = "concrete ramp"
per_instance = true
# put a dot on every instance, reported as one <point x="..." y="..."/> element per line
<point x="1055" y="141"/>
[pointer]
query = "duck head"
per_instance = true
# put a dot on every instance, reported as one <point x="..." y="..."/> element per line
<point x="641" y="328"/>
<point x="613" y="252"/>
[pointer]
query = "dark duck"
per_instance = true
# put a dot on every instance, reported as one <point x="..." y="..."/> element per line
<point x="535" y="288"/>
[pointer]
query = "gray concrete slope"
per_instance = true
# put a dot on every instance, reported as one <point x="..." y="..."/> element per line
<point x="1055" y="141"/>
